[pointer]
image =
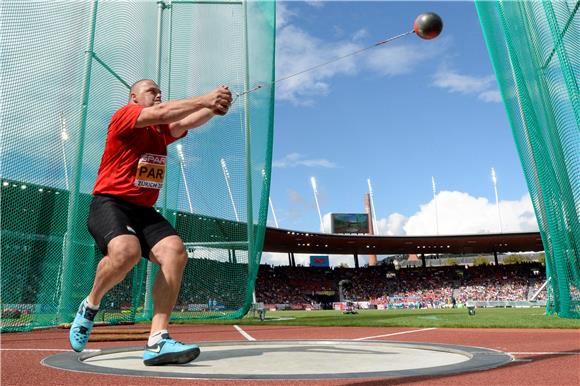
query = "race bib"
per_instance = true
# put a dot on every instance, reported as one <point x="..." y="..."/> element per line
<point x="150" y="171"/>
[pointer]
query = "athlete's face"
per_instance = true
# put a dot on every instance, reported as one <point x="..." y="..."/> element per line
<point x="146" y="94"/>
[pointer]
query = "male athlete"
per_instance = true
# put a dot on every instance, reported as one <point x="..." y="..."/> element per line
<point x="122" y="219"/>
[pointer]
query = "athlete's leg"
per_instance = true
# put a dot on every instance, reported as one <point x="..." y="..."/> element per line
<point x="123" y="252"/>
<point x="109" y="223"/>
<point x="170" y="255"/>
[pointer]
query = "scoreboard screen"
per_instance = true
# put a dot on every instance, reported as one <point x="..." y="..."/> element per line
<point x="349" y="223"/>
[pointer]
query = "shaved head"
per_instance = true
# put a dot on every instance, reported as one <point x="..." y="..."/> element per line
<point x="137" y="85"/>
<point x="145" y="92"/>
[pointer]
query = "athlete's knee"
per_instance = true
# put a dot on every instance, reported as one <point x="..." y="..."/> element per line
<point x="124" y="252"/>
<point x="170" y="249"/>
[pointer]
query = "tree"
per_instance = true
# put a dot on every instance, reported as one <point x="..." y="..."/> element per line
<point x="515" y="259"/>
<point x="480" y="260"/>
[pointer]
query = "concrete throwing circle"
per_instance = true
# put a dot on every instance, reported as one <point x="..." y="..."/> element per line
<point x="307" y="359"/>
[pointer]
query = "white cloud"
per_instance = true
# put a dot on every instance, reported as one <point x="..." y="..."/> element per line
<point x="400" y="59"/>
<point x="315" y="3"/>
<point x="484" y="87"/>
<point x="458" y="213"/>
<point x="461" y="213"/>
<point x="283" y="14"/>
<point x="456" y="82"/>
<point x="490" y="96"/>
<point x="297" y="51"/>
<point x="295" y="197"/>
<point x="296" y="211"/>
<point x="327" y="223"/>
<point x="274" y="258"/>
<point x="392" y="225"/>
<point x="297" y="159"/>
<point x="360" y="34"/>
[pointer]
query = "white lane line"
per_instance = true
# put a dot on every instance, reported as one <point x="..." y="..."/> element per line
<point x="545" y="353"/>
<point x="244" y="334"/>
<point x="396" y="333"/>
<point x="41" y="349"/>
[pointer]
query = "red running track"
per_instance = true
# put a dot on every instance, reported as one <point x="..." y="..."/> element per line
<point x="543" y="357"/>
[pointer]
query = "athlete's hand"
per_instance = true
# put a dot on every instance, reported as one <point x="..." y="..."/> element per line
<point x="219" y="100"/>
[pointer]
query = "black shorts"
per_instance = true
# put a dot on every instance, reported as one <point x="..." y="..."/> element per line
<point x="111" y="216"/>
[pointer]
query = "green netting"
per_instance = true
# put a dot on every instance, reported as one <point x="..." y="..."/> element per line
<point x="535" y="50"/>
<point x="65" y="67"/>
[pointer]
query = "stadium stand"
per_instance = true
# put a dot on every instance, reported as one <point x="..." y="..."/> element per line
<point x="385" y="286"/>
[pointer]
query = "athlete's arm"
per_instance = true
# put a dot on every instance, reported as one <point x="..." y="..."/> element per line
<point x="201" y="116"/>
<point x="217" y="101"/>
<point x="192" y="121"/>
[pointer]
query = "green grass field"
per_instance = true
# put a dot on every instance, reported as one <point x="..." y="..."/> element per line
<point x="441" y="318"/>
<point x="452" y="318"/>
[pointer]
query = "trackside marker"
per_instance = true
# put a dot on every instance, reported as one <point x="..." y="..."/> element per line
<point x="244" y="334"/>
<point x="41" y="349"/>
<point x="545" y="353"/>
<point x="396" y="333"/>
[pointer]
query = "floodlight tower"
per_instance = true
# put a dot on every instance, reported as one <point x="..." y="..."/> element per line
<point x="270" y="202"/>
<point x="494" y="180"/>
<point x="435" y="201"/>
<point x="227" y="178"/>
<point x="63" y="139"/>
<point x="315" y="191"/>
<point x="374" y="216"/>
<point x="273" y="212"/>
<point x="179" y="148"/>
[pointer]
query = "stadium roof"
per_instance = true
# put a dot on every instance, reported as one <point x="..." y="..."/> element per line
<point x="283" y="240"/>
<point x="205" y="228"/>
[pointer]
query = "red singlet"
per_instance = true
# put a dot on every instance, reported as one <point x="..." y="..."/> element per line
<point x="133" y="164"/>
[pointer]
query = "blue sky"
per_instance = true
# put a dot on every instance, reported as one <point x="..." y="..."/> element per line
<point x="398" y="114"/>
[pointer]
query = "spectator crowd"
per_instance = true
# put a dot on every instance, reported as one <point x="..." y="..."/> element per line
<point x="431" y="287"/>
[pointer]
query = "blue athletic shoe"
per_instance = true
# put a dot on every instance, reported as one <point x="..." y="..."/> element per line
<point x="81" y="327"/>
<point x="167" y="352"/>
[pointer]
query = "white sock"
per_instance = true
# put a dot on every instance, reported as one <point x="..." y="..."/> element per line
<point x="91" y="306"/>
<point x="156" y="337"/>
